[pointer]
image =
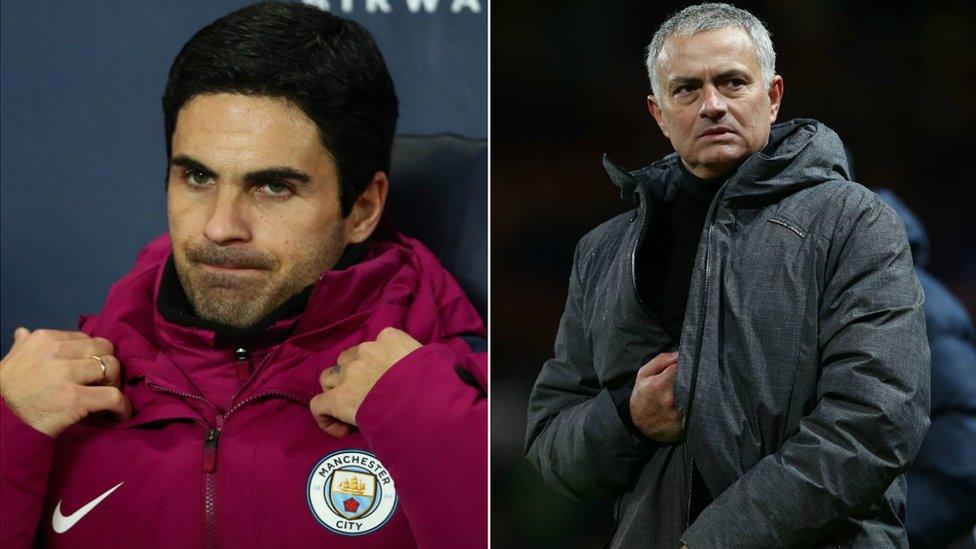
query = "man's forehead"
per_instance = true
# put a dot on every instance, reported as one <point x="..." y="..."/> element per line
<point x="723" y="49"/>
<point x="233" y="128"/>
<point x="243" y="114"/>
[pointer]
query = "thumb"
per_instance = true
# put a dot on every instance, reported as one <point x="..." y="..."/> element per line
<point x="20" y="334"/>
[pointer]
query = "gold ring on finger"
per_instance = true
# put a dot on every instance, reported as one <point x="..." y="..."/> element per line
<point x="104" y="367"/>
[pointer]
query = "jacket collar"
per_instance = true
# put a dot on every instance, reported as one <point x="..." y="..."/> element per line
<point x="398" y="283"/>
<point x="174" y="306"/>
<point x="801" y="153"/>
<point x="139" y="316"/>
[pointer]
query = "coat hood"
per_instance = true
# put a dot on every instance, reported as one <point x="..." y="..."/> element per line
<point x="801" y="153"/>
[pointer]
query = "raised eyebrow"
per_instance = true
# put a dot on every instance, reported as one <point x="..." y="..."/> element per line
<point x="278" y="173"/>
<point x="192" y="164"/>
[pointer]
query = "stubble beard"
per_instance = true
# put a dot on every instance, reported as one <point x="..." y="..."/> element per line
<point x="242" y="301"/>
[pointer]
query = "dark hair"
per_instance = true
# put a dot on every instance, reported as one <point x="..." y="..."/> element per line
<point x="330" y="67"/>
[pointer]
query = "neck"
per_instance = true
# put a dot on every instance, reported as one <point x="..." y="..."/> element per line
<point x="706" y="174"/>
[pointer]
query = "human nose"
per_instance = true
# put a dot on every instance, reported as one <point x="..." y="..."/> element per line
<point x="227" y="222"/>
<point x="713" y="104"/>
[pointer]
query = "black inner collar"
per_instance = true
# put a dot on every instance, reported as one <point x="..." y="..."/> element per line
<point x="696" y="187"/>
<point x="175" y="307"/>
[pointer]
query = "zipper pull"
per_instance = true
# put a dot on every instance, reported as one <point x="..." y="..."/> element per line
<point x="242" y="357"/>
<point x="210" y="450"/>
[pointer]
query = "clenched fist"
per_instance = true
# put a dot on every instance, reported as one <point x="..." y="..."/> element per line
<point x="652" y="405"/>
<point x="52" y="379"/>
<point x="357" y="369"/>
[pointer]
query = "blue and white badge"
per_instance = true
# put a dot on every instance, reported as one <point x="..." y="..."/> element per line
<point x="351" y="493"/>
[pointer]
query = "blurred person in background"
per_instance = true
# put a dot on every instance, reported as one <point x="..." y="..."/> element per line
<point x="284" y="368"/>
<point x="942" y="481"/>
<point x="742" y="358"/>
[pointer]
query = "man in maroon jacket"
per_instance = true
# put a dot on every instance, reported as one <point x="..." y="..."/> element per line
<point x="191" y="410"/>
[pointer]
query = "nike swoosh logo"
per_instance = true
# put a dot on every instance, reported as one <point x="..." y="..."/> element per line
<point x="62" y="524"/>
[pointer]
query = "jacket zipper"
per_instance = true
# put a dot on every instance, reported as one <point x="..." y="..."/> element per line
<point x="714" y="207"/>
<point x="713" y="210"/>
<point x="212" y="439"/>
<point x="690" y="473"/>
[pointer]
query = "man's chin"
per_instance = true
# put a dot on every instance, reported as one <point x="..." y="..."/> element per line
<point x="722" y="160"/>
<point x="229" y="279"/>
<point x="238" y="305"/>
<point x="230" y="312"/>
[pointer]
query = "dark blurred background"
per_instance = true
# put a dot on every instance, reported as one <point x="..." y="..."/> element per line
<point x="568" y="84"/>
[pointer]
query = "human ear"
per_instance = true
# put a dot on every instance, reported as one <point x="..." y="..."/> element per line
<point x="367" y="210"/>
<point x="775" y="97"/>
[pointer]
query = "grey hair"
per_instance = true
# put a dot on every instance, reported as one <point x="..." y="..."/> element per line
<point x="704" y="17"/>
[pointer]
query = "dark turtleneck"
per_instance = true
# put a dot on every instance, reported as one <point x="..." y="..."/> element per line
<point x="681" y="221"/>
<point x="678" y="227"/>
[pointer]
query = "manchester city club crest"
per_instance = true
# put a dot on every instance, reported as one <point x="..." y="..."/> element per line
<point x="351" y="493"/>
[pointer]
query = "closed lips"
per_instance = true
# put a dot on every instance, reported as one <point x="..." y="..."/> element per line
<point x="715" y="131"/>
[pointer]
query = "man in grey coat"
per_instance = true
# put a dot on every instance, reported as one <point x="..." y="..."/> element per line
<point x="742" y="361"/>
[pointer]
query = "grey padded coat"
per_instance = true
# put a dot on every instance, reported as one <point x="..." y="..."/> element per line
<point x="803" y="368"/>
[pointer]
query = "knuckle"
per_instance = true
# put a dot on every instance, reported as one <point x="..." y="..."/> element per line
<point x="368" y="348"/>
<point x="324" y="404"/>
<point x="53" y="348"/>
<point x="102" y="342"/>
<point x="64" y="371"/>
<point x="315" y="404"/>
<point x="71" y="394"/>
<point x="116" y="398"/>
